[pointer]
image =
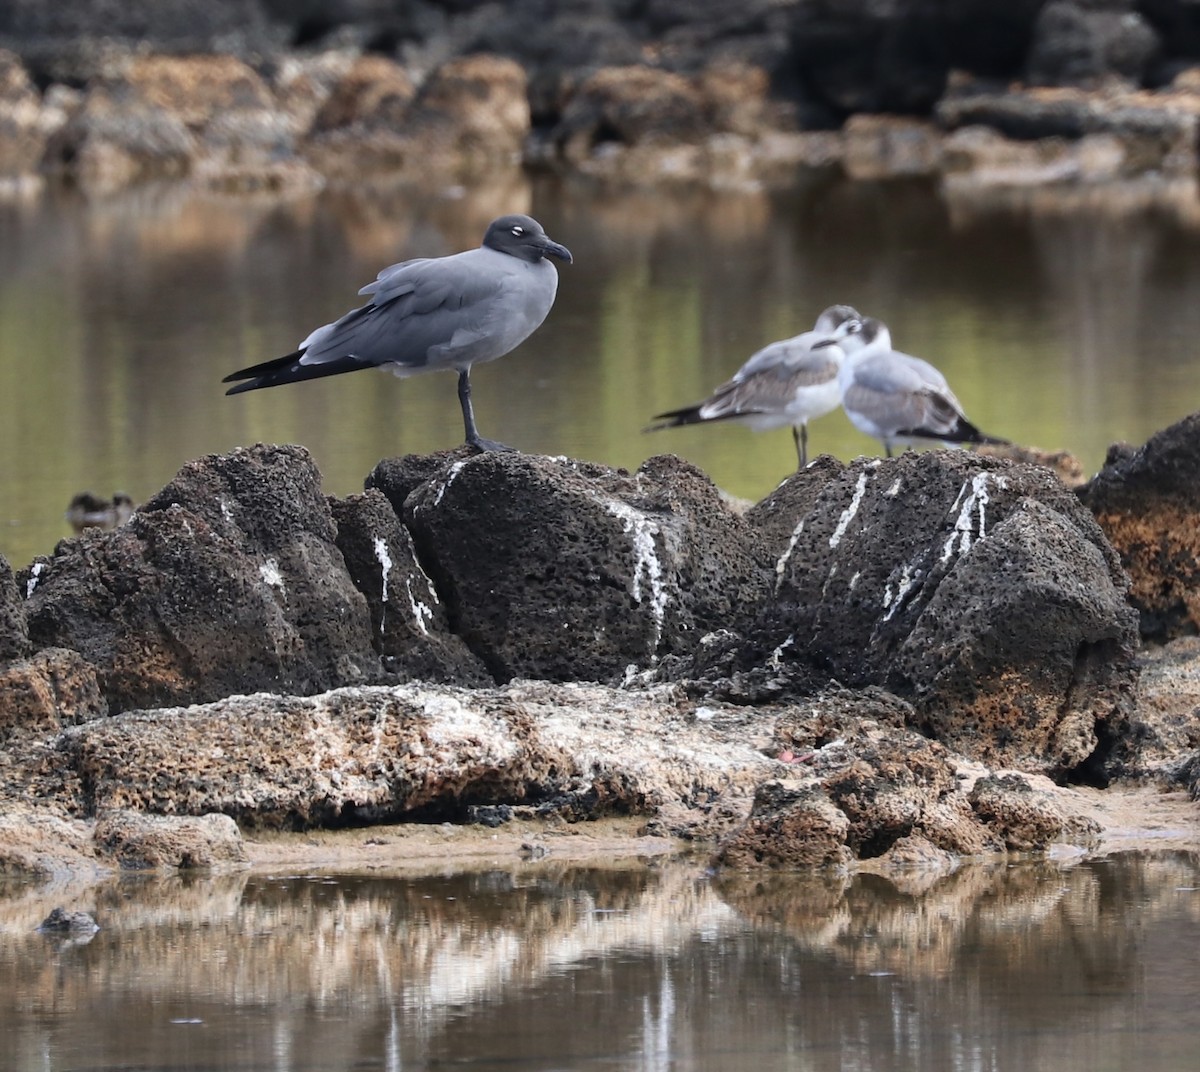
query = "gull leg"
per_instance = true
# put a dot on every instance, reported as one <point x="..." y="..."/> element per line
<point x="800" y="438"/>
<point x="474" y="439"/>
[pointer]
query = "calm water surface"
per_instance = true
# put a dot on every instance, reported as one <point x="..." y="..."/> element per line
<point x="1083" y="967"/>
<point x="1062" y="321"/>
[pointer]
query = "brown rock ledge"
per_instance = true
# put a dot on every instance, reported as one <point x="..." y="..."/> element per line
<point x="657" y="772"/>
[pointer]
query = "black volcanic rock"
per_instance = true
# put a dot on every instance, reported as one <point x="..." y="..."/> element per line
<point x="409" y="626"/>
<point x="396" y="478"/>
<point x="979" y="591"/>
<point x="973" y="587"/>
<point x="228" y="580"/>
<point x="1080" y="43"/>
<point x="14" y="632"/>
<point x="562" y="570"/>
<point x="75" y="40"/>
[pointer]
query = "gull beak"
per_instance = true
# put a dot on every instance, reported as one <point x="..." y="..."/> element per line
<point x="553" y="249"/>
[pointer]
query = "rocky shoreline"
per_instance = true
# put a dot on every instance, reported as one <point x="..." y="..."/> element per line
<point x="891" y="662"/>
<point x="246" y="95"/>
<point x="886" y="663"/>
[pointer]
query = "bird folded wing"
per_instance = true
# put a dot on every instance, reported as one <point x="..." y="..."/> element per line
<point x="942" y="413"/>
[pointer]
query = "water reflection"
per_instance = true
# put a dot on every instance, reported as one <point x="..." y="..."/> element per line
<point x="1067" y="325"/>
<point x="1033" y="966"/>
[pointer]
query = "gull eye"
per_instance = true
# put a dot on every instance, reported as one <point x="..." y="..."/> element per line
<point x="517" y="231"/>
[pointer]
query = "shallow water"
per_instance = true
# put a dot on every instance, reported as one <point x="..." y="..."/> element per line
<point x="1038" y="965"/>
<point x="1065" y="321"/>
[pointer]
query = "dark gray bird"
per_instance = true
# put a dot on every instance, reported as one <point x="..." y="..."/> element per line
<point x="88" y="511"/>
<point x="897" y="398"/>
<point x="435" y="313"/>
<point x="784" y="384"/>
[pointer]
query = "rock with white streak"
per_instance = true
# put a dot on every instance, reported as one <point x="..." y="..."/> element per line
<point x="561" y="570"/>
<point x="409" y="625"/>
<point x="228" y="580"/>
<point x="978" y="589"/>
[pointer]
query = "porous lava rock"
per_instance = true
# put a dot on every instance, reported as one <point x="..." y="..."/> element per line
<point x="899" y="784"/>
<point x="228" y="580"/>
<point x="630" y="105"/>
<point x="351" y="755"/>
<point x="80" y="39"/>
<point x="409" y="625"/>
<point x="862" y="57"/>
<point x="976" y="588"/>
<point x="1168" y="706"/>
<point x="846" y="784"/>
<point x="561" y="570"/>
<point x="14" y="631"/>
<point x="474" y="106"/>
<point x="53" y="688"/>
<point x="374" y="89"/>
<point x="38" y="841"/>
<point x="1110" y="135"/>
<point x="396" y="478"/>
<point x="790" y="826"/>
<point x="1024" y="818"/>
<point x="890" y="782"/>
<point x="1189" y="775"/>
<point x="137" y="841"/>
<point x="1147" y="501"/>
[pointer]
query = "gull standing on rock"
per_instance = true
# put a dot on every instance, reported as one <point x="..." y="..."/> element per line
<point x="435" y="313"/>
<point x="787" y="383"/>
<point x="897" y="398"/>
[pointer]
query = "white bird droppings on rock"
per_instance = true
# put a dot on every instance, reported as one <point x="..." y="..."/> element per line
<point x="269" y="571"/>
<point x="35" y="574"/>
<point x="385" y="561"/>
<point x="967" y="503"/>
<point x="892" y="600"/>
<point x="860" y="489"/>
<point x="451" y="473"/>
<point x="421" y="613"/>
<point x="646" y="562"/>
<point x="784" y="558"/>
<point x="774" y="660"/>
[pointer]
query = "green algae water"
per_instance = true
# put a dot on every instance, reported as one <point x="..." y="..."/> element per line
<point x="1070" y="965"/>
<point x="1065" y="321"/>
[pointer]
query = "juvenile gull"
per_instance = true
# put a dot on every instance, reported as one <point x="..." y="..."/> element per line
<point x="787" y="383"/>
<point x="435" y="313"/>
<point x="897" y="398"/>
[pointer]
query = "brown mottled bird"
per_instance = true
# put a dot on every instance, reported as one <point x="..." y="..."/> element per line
<point x="785" y="384"/>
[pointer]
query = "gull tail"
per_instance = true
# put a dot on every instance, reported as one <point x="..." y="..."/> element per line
<point x="966" y="432"/>
<point x="675" y="418"/>
<point x="963" y="433"/>
<point x="288" y="369"/>
<point x="714" y="409"/>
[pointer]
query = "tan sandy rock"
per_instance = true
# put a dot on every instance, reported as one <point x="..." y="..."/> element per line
<point x="137" y="841"/>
